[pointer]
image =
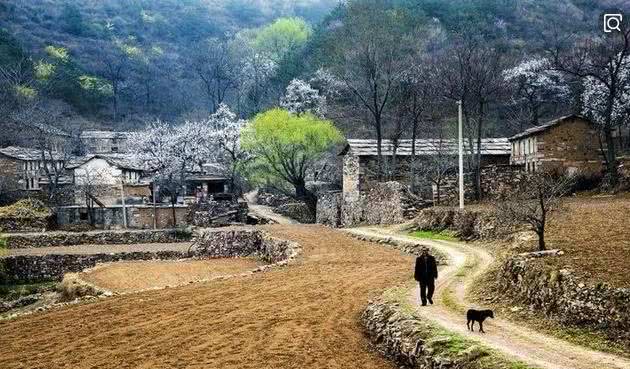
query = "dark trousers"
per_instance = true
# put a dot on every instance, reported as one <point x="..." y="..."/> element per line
<point x="426" y="290"/>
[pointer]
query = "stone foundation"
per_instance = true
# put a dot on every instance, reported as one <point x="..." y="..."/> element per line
<point x="562" y="296"/>
<point x="49" y="239"/>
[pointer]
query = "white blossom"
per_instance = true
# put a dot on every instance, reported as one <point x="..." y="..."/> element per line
<point x="300" y="97"/>
<point x="536" y="81"/>
<point x="596" y="93"/>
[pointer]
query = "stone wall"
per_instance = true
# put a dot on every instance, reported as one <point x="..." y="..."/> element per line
<point x="209" y="243"/>
<point x="296" y="210"/>
<point x="496" y="182"/>
<point x="385" y="203"/>
<point x="562" y="296"/>
<point x="467" y="224"/>
<point x="35" y="268"/>
<point x="138" y="216"/>
<point x="406" y="338"/>
<point x="49" y="239"/>
<point x="244" y="242"/>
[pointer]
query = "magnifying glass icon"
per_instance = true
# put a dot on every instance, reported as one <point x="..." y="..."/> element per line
<point x="612" y="22"/>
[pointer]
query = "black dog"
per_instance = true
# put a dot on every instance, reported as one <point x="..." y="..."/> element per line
<point x="477" y="316"/>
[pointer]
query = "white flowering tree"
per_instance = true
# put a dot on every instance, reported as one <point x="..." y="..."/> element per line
<point x="535" y="83"/>
<point x="595" y="96"/>
<point x="173" y="152"/>
<point x="226" y="132"/>
<point x="602" y="64"/>
<point x="300" y="98"/>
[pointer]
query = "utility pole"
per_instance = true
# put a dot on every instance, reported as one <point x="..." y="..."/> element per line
<point x="122" y="197"/>
<point x="460" y="142"/>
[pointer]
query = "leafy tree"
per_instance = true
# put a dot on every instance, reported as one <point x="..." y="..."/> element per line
<point x="286" y="146"/>
<point x="281" y="37"/>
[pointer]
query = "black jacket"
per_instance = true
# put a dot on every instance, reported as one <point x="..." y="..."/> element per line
<point x="426" y="269"/>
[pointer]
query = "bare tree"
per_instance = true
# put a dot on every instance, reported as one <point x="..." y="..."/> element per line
<point x="605" y="63"/>
<point x="533" y="204"/>
<point x="55" y="146"/>
<point x="372" y="63"/>
<point x="212" y="63"/>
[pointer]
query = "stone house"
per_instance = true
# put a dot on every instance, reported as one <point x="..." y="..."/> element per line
<point x="109" y="175"/>
<point x="570" y="144"/>
<point x="104" y="142"/>
<point x="23" y="168"/>
<point x="360" y="160"/>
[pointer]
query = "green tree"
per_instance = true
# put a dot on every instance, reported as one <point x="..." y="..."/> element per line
<point x="285" y="147"/>
<point x="281" y="37"/>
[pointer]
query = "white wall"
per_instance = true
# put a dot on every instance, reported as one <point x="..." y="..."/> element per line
<point x="98" y="171"/>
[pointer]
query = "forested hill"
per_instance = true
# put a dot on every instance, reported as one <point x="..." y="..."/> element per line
<point x="119" y="63"/>
<point x="150" y="41"/>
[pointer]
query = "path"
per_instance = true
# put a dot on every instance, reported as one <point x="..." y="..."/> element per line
<point x="264" y="211"/>
<point x="525" y="344"/>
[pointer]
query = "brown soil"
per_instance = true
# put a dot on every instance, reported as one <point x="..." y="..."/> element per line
<point x="130" y="276"/>
<point x="302" y="316"/>
<point x="595" y="235"/>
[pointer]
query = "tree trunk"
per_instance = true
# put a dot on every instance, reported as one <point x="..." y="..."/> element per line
<point x="413" y="155"/>
<point x="541" y="239"/>
<point x="379" y="152"/>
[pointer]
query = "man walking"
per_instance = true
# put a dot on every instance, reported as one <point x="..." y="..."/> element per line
<point x="426" y="273"/>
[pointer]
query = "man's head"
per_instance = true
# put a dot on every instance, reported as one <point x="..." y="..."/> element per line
<point x="425" y="250"/>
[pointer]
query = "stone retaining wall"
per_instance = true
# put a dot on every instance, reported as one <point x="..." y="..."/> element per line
<point x="36" y="268"/>
<point x="244" y="242"/>
<point x="384" y="203"/>
<point x="49" y="239"/>
<point x="467" y="224"/>
<point x="400" y="335"/>
<point x="210" y="243"/>
<point x="561" y="295"/>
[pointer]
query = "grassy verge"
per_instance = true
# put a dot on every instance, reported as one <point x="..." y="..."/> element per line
<point x="470" y="353"/>
<point x="14" y="291"/>
<point x="432" y="235"/>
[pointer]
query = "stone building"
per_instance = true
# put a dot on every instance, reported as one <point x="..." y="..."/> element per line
<point x="23" y="168"/>
<point x="569" y="144"/>
<point x="360" y="160"/>
<point x="108" y="175"/>
<point x="104" y="142"/>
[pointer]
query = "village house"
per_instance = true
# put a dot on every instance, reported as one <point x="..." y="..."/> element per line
<point x="569" y="144"/>
<point x="104" y="142"/>
<point x="109" y="175"/>
<point x="24" y="168"/>
<point x="360" y="160"/>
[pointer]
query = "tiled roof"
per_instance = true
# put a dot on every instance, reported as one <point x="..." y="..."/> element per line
<point x="542" y="128"/>
<point x="424" y="146"/>
<point x="26" y="153"/>
<point x="122" y="161"/>
<point x="103" y="134"/>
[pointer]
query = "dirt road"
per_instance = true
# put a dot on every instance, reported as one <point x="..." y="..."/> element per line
<point x="302" y="316"/>
<point x="525" y="344"/>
